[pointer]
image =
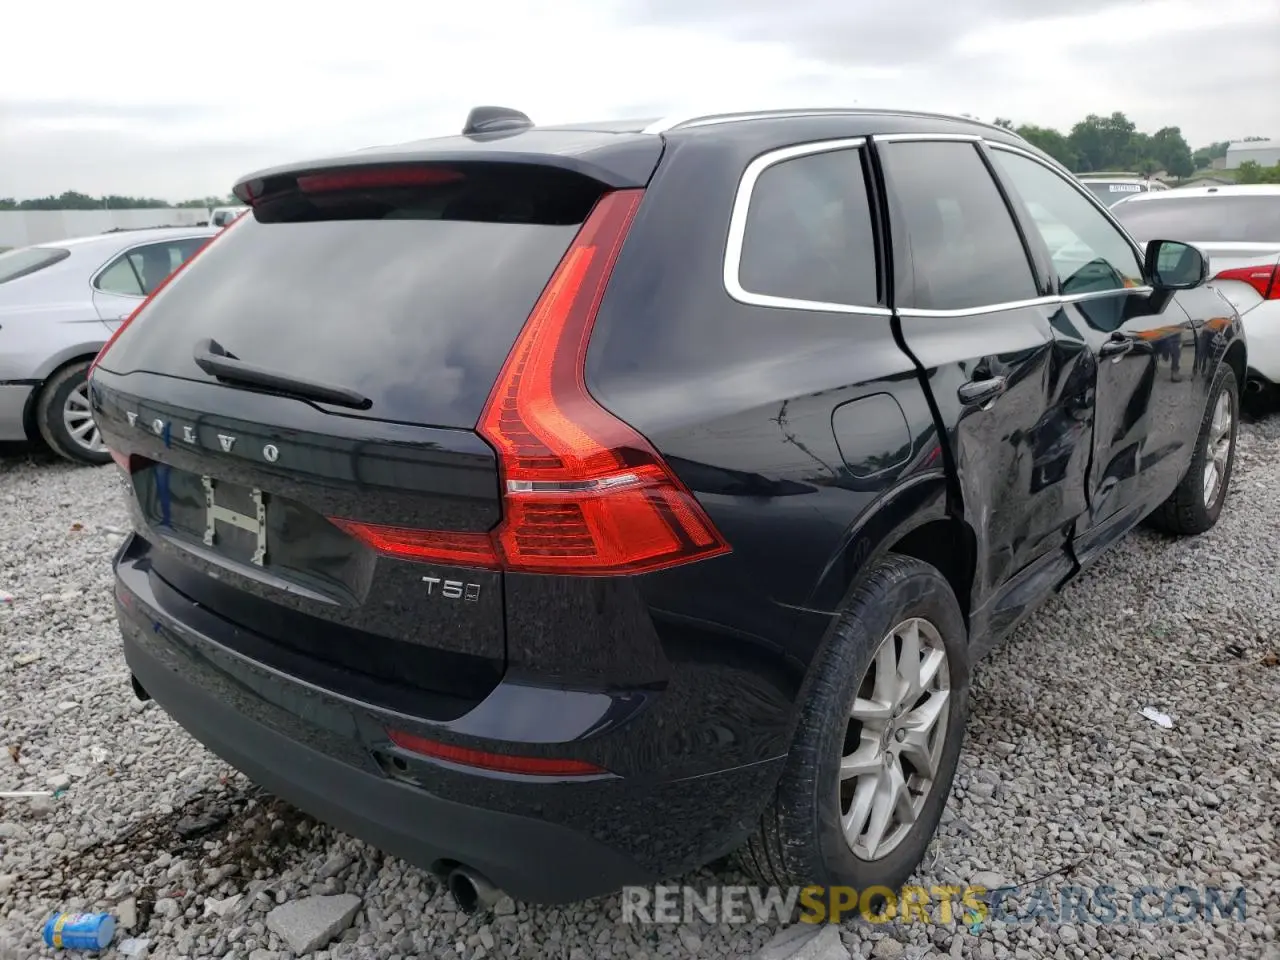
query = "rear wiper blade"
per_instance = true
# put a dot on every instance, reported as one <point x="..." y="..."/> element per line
<point x="215" y="361"/>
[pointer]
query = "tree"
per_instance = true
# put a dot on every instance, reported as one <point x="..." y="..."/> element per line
<point x="1170" y="150"/>
<point x="1051" y="142"/>
<point x="1205" y="156"/>
<point x="1253" y="172"/>
<point x="1105" y="143"/>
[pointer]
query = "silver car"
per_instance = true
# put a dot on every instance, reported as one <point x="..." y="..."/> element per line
<point x="59" y="303"/>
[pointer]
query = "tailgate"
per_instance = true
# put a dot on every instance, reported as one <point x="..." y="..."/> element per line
<point x="315" y="376"/>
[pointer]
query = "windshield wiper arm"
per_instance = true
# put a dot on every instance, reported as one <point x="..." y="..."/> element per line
<point x="215" y="361"/>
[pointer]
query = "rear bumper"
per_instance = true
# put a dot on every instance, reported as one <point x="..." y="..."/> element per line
<point x="538" y="838"/>
<point x="1262" y="330"/>
<point x="13" y="407"/>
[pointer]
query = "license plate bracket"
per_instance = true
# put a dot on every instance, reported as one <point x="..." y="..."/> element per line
<point x="255" y="524"/>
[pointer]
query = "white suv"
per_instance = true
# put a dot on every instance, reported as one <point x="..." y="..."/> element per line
<point x="1111" y="188"/>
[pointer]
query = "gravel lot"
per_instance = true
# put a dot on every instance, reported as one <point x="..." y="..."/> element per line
<point x="1061" y="772"/>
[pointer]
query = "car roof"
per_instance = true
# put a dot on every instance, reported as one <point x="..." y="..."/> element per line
<point x="127" y="238"/>
<point x="593" y="143"/>
<point x="1238" y="190"/>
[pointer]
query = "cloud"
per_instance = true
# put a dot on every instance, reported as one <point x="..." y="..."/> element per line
<point x="180" y="100"/>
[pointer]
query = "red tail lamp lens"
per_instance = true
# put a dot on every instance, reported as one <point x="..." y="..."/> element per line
<point x="498" y="762"/>
<point x="583" y="493"/>
<point x="377" y="178"/>
<point x="1262" y="279"/>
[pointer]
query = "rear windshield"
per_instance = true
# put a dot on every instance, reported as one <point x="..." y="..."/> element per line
<point x="1110" y="192"/>
<point x="24" y="262"/>
<point x="412" y="297"/>
<point x="1237" y="219"/>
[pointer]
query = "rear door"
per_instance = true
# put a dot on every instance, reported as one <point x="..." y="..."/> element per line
<point x="266" y="506"/>
<point x="973" y="314"/>
<point x="1150" y="390"/>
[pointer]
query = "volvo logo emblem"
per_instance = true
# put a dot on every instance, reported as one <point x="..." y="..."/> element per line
<point x="270" y="453"/>
<point x="226" y="442"/>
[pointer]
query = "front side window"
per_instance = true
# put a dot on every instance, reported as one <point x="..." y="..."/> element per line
<point x="965" y="248"/>
<point x="808" y="233"/>
<point x="1089" y="254"/>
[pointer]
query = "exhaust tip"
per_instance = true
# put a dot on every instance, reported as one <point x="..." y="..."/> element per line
<point x="139" y="690"/>
<point x="471" y="891"/>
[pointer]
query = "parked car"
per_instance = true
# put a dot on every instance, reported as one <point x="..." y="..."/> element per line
<point x="1111" y="188"/>
<point x="59" y="303"/>
<point x="1238" y="227"/>
<point x="225" y="216"/>
<point x="563" y="508"/>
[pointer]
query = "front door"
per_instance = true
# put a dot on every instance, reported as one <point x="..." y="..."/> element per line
<point x="975" y="317"/>
<point x="1148" y="399"/>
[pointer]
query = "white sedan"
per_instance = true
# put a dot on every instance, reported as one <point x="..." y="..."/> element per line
<point x="59" y="303"/>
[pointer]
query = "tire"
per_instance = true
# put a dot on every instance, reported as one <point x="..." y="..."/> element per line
<point x="62" y="397"/>
<point x="1192" y="507"/>
<point x="799" y="839"/>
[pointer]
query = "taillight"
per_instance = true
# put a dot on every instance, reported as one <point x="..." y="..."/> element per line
<point x="152" y="295"/>
<point x="583" y="493"/>
<point x="1263" y="279"/>
<point x="377" y="178"/>
<point x="499" y="762"/>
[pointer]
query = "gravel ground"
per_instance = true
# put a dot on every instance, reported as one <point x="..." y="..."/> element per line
<point x="1062" y="775"/>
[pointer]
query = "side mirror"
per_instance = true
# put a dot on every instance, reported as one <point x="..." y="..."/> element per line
<point x="1172" y="265"/>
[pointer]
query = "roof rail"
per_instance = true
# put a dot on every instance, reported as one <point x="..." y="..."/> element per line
<point x="681" y="121"/>
<point x="491" y="119"/>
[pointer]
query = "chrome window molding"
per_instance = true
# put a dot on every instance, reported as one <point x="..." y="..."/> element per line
<point x="1050" y="301"/>
<point x="738" y="227"/>
<point x="925" y="137"/>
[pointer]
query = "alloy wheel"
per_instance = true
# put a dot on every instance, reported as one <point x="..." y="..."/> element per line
<point x="1218" y="447"/>
<point x="895" y="737"/>
<point x="77" y="417"/>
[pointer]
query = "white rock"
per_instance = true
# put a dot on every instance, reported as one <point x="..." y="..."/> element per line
<point x="137" y="949"/>
<point x="805" y="941"/>
<point x="127" y="913"/>
<point x="310" y="923"/>
<point x="220" y="908"/>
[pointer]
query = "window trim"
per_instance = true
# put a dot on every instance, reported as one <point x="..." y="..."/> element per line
<point x="738" y="227"/>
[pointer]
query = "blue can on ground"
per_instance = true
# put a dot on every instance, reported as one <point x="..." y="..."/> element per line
<point x="79" y="931"/>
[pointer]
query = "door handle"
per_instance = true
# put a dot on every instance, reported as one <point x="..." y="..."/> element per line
<point x="1117" y="346"/>
<point x="978" y="393"/>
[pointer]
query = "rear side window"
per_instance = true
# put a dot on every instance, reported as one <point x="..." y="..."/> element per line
<point x="808" y="233"/>
<point x="26" y="261"/>
<point x="965" y="249"/>
<point x="1210" y="219"/>
<point x="137" y="272"/>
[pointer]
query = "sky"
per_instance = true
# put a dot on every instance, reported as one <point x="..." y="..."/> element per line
<point x="178" y="100"/>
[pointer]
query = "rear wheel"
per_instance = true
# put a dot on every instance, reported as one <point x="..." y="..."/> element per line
<point x="65" y="418"/>
<point x="878" y="740"/>
<point x="1196" y="503"/>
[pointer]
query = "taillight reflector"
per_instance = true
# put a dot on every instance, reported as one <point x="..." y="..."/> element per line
<point x="155" y="293"/>
<point x="377" y="178"/>
<point x="499" y="762"/>
<point x="1263" y="279"/>
<point x="583" y="493"/>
